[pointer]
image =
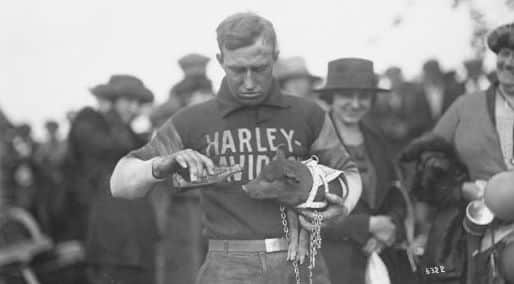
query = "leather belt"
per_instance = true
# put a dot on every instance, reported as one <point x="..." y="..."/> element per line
<point x="266" y="245"/>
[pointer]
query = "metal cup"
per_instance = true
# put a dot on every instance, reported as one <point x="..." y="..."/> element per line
<point x="478" y="218"/>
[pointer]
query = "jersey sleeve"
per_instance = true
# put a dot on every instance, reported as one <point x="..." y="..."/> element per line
<point x="165" y="141"/>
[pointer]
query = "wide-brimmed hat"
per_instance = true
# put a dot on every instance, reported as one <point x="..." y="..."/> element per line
<point x="293" y="67"/>
<point x="502" y="36"/>
<point x="350" y="74"/>
<point x="123" y="86"/>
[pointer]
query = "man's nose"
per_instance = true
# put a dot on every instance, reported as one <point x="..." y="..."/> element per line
<point x="249" y="81"/>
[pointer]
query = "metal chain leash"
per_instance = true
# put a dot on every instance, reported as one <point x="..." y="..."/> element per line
<point x="283" y="216"/>
<point x="315" y="242"/>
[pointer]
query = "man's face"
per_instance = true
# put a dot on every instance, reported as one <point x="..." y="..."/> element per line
<point x="505" y="69"/>
<point x="249" y="71"/>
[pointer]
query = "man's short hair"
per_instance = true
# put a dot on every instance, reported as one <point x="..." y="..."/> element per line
<point x="243" y="29"/>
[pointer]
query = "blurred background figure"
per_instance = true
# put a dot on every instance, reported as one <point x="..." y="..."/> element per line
<point x="6" y="130"/>
<point x="195" y="87"/>
<point x="183" y="248"/>
<point x="476" y="77"/>
<point x="401" y="113"/>
<point x="51" y="192"/>
<point x="441" y="89"/>
<point x="21" y="169"/>
<point x="295" y="79"/>
<point x="119" y="234"/>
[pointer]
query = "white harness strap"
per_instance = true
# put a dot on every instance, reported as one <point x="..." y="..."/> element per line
<point x="321" y="176"/>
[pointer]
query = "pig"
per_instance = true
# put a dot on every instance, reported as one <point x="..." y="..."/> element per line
<point x="289" y="182"/>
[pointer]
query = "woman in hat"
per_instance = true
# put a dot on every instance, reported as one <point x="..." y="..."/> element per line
<point x="375" y="224"/>
<point x="119" y="234"/>
<point x="480" y="127"/>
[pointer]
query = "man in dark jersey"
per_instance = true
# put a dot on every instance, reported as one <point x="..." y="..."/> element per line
<point x="243" y="124"/>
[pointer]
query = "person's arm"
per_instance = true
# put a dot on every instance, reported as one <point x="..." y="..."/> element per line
<point x="331" y="152"/>
<point x="446" y="128"/>
<point x="396" y="209"/>
<point x="355" y="227"/>
<point x="136" y="173"/>
<point x="132" y="178"/>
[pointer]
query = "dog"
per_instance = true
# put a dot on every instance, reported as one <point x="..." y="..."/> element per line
<point x="437" y="181"/>
<point x="300" y="185"/>
<point x="439" y="173"/>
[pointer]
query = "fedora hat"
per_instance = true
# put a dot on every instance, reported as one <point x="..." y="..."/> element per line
<point x="350" y="74"/>
<point x="502" y="36"/>
<point x="123" y="86"/>
<point x="293" y="67"/>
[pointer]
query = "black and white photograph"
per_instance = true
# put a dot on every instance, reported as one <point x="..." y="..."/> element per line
<point x="257" y="142"/>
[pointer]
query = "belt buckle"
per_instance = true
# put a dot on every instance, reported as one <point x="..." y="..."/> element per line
<point x="272" y="245"/>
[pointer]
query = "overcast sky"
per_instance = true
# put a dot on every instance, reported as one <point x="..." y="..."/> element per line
<point x="52" y="51"/>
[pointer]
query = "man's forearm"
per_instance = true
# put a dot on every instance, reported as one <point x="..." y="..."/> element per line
<point x="132" y="178"/>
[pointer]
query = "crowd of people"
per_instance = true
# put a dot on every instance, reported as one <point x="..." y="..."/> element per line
<point x="105" y="185"/>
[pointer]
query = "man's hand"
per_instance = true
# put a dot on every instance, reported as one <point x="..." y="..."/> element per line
<point x="383" y="229"/>
<point x="334" y="213"/>
<point x="373" y="245"/>
<point x="197" y="163"/>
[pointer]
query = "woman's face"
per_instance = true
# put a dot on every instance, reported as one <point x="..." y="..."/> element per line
<point x="505" y="69"/>
<point x="352" y="105"/>
<point x="127" y="108"/>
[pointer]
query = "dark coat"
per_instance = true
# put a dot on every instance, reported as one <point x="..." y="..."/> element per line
<point x="119" y="231"/>
<point x="342" y="244"/>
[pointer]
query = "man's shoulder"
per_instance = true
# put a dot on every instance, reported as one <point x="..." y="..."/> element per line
<point x="196" y="112"/>
<point x="87" y="115"/>
<point x="471" y="100"/>
<point x="87" y="112"/>
<point x="193" y="118"/>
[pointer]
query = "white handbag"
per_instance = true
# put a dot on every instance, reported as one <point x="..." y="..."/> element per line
<point x="376" y="271"/>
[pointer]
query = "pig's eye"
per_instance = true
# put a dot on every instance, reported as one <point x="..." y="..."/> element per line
<point x="289" y="175"/>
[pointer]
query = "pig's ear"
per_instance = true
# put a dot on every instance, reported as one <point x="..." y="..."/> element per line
<point x="280" y="153"/>
<point x="291" y="176"/>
